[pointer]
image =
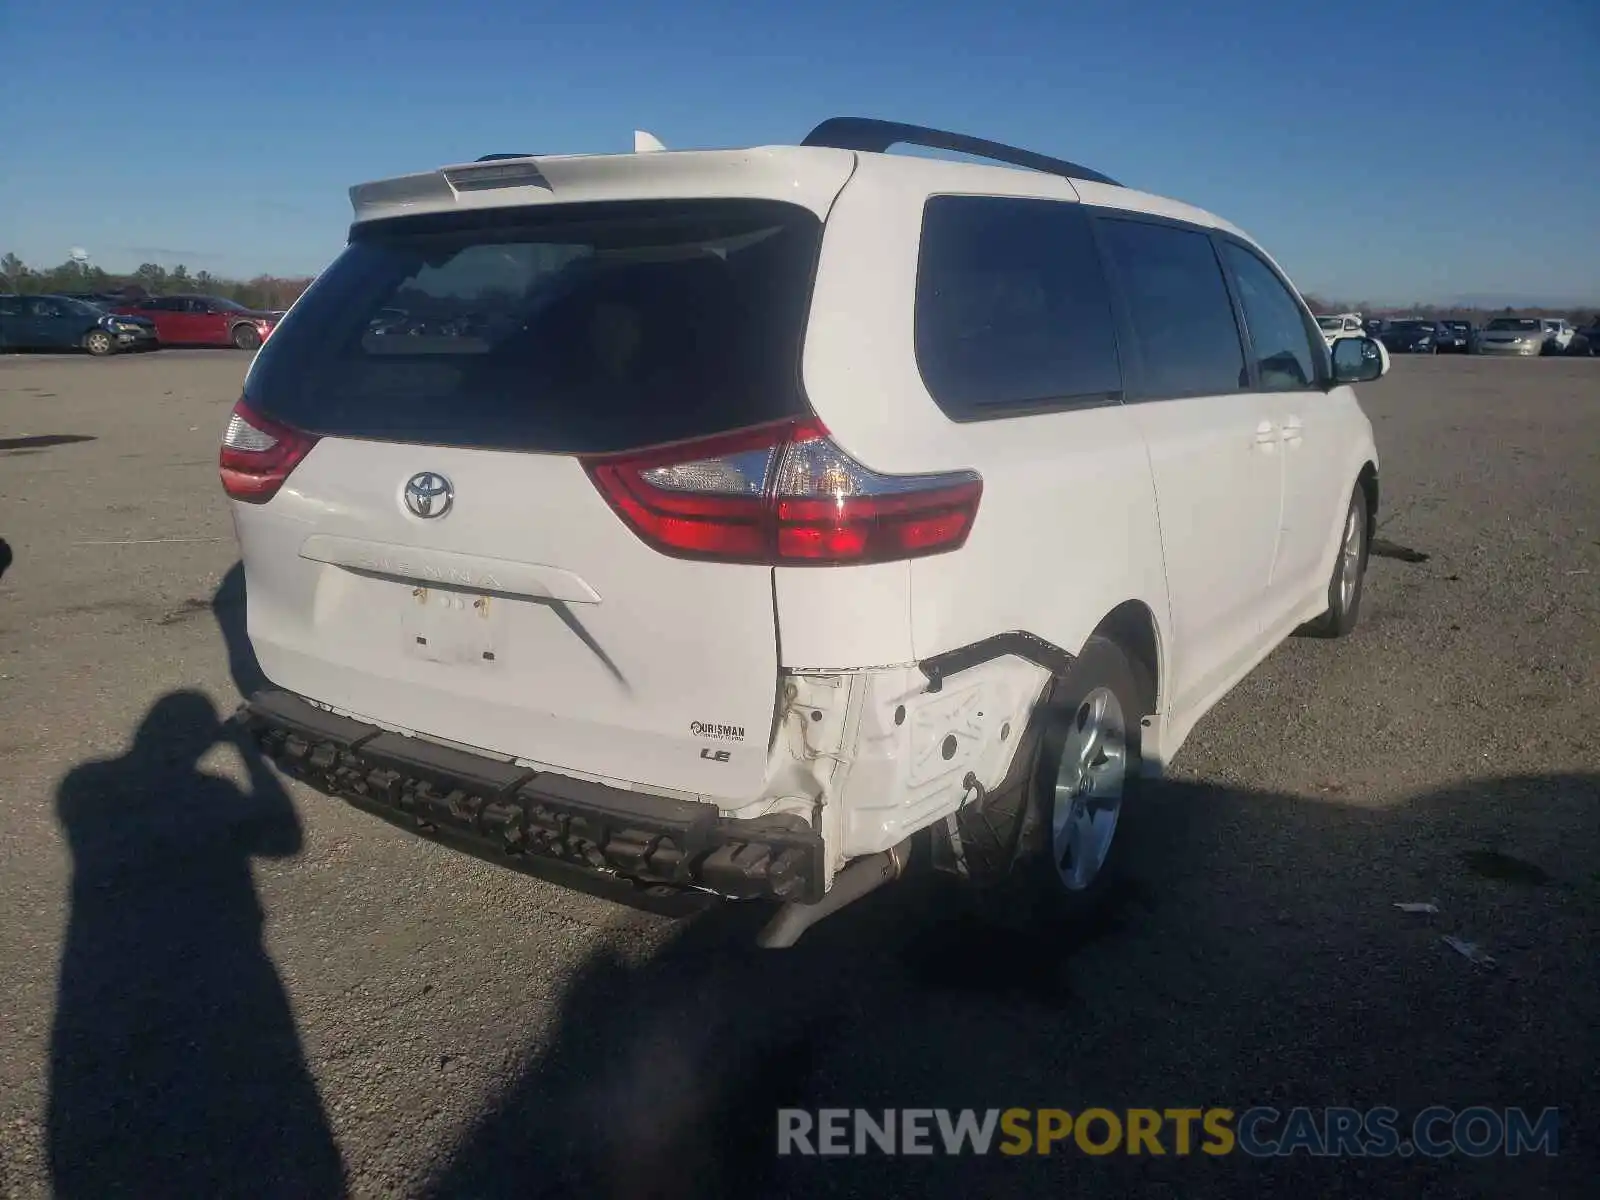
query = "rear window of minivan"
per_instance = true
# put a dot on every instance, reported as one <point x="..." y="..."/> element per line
<point x="1012" y="311"/>
<point x="563" y="329"/>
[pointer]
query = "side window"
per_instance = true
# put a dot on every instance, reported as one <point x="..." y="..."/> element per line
<point x="10" y="306"/>
<point x="1278" y="337"/>
<point x="1012" y="311"/>
<point x="40" y="307"/>
<point x="197" y="306"/>
<point x="1179" y="305"/>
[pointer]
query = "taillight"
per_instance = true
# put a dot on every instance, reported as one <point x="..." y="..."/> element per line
<point x="258" y="453"/>
<point x="783" y="494"/>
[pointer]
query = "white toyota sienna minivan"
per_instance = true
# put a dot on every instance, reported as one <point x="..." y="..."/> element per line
<point x="733" y="521"/>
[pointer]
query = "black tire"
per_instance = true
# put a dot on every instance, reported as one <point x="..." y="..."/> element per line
<point x="1344" y="605"/>
<point x="1007" y="836"/>
<point x="246" y="337"/>
<point x="99" y="343"/>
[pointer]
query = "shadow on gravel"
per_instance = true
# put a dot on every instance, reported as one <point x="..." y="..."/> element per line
<point x="1383" y="548"/>
<point x="228" y="609"/>
<point x="41" y="440"/>
<point x="175" y="1065"/>
<point x="1256" y="960"/>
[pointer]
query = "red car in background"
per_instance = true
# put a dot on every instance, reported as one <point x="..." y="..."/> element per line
<point x="203" y="321"/>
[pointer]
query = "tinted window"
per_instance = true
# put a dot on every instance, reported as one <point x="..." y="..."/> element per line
<point x="1012" y="310"/>
<point x="1284" y="358"/>
<point x="571" y="329"/>
<point x="10" y="306"/>
<point x="1188" y="339"/>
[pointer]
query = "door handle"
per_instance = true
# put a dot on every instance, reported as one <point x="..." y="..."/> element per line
<point x="1293" y="430"/>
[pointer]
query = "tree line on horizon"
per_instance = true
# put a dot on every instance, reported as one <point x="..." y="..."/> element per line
<point x="1444" y="312"/>
<point x="269" y="293"/>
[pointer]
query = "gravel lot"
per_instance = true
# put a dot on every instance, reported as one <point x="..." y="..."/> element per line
<point x="216" y="983"/>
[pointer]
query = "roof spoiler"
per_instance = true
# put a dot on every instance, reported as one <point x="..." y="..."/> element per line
<point x="643" y="143"/>
<point x="871" y="136"/>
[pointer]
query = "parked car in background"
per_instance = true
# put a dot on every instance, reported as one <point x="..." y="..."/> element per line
<point x="53" y="322"/>
<point x="1524" y="336"/>
<point x="1456" y="337"/>
<point x="1558" y="334"/>
<point x="1412" y="337"/>
<point x="105" y="300"/>
<point x="1343" y="325"/>
<point x="204" y="321"/>
<point x="1586" y="341"/>
<point x="1373" y="325"/>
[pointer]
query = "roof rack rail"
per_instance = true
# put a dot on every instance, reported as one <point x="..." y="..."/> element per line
<point x="498" y="157"/>
<point x="871" y="136"/>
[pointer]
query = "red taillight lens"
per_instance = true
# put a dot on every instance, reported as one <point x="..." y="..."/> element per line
<point x="258" y="453"/>
<point x="783" y="494"/>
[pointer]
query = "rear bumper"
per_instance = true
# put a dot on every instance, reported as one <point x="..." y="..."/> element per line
<point x="521" y="816"/>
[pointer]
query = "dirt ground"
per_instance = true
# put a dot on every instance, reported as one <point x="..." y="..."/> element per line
<point x="214" y="982"/>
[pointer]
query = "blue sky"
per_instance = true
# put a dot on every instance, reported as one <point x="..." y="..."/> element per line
<point x="1380" y="151"/>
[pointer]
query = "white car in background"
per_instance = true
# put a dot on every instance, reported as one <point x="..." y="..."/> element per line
<point x="1341" y="326"/>
<point x="748" y="513"/>
<point x="1558" y="333"/>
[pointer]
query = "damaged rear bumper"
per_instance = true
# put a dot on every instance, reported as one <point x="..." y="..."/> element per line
<point x="522" y="816"/>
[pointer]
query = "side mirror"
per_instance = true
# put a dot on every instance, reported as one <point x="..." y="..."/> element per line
<point x="1359" y="360"/>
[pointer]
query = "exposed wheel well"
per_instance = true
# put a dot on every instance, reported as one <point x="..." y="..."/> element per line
<point x="1368" y="479"/>
<point x="1133" y="627"/>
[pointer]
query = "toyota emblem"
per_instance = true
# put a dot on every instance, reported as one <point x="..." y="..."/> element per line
<point x="429" y="494"/>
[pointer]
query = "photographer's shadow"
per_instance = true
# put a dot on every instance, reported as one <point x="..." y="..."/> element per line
<point x="176" y="1067"/>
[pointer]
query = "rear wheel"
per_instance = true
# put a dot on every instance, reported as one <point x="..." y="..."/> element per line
<point x="1349" y="573"/>
<point x="98" y="342"/>
<point x="1052" y="847"/>
<point x="246" y="337"/>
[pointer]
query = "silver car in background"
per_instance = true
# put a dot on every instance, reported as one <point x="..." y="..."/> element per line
<point x="1524" y="336"/>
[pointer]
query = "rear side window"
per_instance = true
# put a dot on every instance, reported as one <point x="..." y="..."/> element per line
<point x="1278" y="334"/>
<point x="569" y="329"/>
<point x="1188" y="339"/>
<point x="1012" y="311"/>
